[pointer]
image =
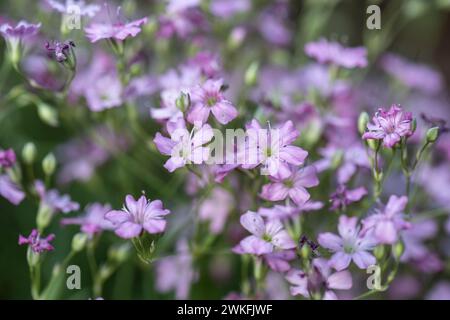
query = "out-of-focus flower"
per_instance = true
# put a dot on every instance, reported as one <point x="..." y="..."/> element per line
<point x="138" y="215"/>
<point x="215" y="209"/>
<point x="273" y="150"/>
<point x="182" y="18"/>
<point x="208" y="98"/>
<point x="283" y="213"/>
<point x="319" y="280"/>
<point x="169" y="110"/>
<point x="93" y="220"/>
<point x="440" y="291"/>
<point x="351" y="244"/>
<point x="7" y="158"/>
<point x="390" y="126"/>
<point x="414" y="238"/>
<point x="14" y="36"/>
<point x="10" y="190"/>
<point x="184" y="147"/>
<point x="328" y="52"/>
<point x="344" y="197"/>
<point x="36" y="242"/>
<point x="414" y="76"/>
<point x="117" y="31"/>
<point x="207" y="62"/>
<point x="387" y="224"/>
<point x="272" y="25"/>
<point x="279" y="260"/>
<point x="226" y="9"/>
<point x="53" y="200"/>
<point x="352" y="157"/>
<point x="266" y="236"/>
<point x="176" y="272"/>
<point x="74" y="6"/>
<point x="291" y="184"/>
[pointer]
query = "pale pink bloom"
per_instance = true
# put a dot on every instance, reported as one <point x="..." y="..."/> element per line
<point x="117" y="31"/>
<point x="208" y="98"/>
<point x="93" y="220"/>
<point x="184" y="147"/>
<point x="390" y="126"/>
<point x="266" y="236"/>
<point x="216" y="209"/>
<point x="326" y="52"/>
<point x="10" y="190"/>
<point x="350" y="244"/>
<point x="386" y="224"/>
<point x="138" y="215"/>
<point x="319" y="279"/>
<point x="291" y="185"/>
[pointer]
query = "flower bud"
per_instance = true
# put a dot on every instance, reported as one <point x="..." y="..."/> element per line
<point x="398" y="249"/>
<point x="79" y="241"/>
<point x="49" y="164"/>
<point x="44" y="216"/>
<point x="363" y="120"/>
<point x="183" y="101"/>
<point x="379" y="252"/>
<point x="29" y="153"/>
<point x="413" y="125"/>
<point x="337" y="158"/>
<point x="119" y="253"/>
<point x="32" y="257"/>
<point x="432" y="134"/>
<point x="251" y="74"/>
<point x="373" y="144"/>
<point x="48" y="114"/>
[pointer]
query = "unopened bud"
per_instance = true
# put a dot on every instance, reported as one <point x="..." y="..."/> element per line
<point x="379" y="252"/>
<point x="251" y="74"/>
<point x="29" y="153"/>
<point x="432" y="134"/>
<point x="398" y="249"/>
<point x="44" y="216"/>
<point x="183" y="101"/>
<point x="79" y="241"/>
<point x="119" y="253"/>
<point x="32" y="257"/>
<point x="49" y="164"/>
<point x="48" y="114"/>
<point x="363" y="120"/>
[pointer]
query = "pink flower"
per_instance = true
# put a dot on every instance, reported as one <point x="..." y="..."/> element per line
<point x="53" y="200"/>
<point x="215" y="209"/>
<point x="282" y="213"/>
<point x="292" y="185"/>
<point x="21" y="30"/>
<point x="67" y="7"/>
<point x="7" y="158"/>
<point x="319" y="279"/>
<point x="413" y="75"/>
<point x="279" y="261"/>
<point x="118" y="31"/>
<point x="10" y="190"/>
<point x="387" y="224"/>
<point x="344" y="197"/>
<point x="271" y="148"/>
<point x="184" y="147"/>
<point x="350" y="245"/>
<point x="390" y="126"/>
<point x="138" y="215"/>
<point x="332" y="52"/>
<point x="266" y="236"/>
<point x="176" y="272"/>
<point x="93" y="221"/>
<point x="209" y="98"/>
<point x="36" y="242"/>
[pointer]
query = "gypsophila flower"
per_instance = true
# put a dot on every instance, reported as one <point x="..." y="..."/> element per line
<point x="291" y="185"/>
<point x="21" y="30"/>
<point x="319" y="280"/>
<point x="343" y="197"/>
<point x="332" y="52"/>
<point x="387" y="223"/>
<point x="390" y="126"/>
<point x="350" y="244"/>
<point x="93" y="220"/>
<point x="59" y="50"/>
<point x="117" y="31"/>
<point x="266" y="236"/>
<point x="138" y="215"/>
<point x="53" y="200"/>
<point x="7" y="158"/>
<point x="184" y="147"/>
<point x="209" y="98"/>
<point x="10" y="190"/>
<point x="36" y="242"/>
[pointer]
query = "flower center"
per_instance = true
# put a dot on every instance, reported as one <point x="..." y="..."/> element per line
<point x="267" y="237"/>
